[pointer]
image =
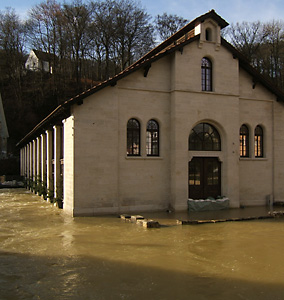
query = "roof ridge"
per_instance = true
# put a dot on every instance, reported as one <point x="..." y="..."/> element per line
<point x="183" y="31"/>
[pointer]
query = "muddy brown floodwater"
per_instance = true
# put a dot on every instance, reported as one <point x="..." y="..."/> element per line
<point x="45" y="254"/>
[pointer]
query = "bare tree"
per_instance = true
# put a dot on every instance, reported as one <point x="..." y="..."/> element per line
<point x="78" y="22"/>
<point x="12" y="53"/>
<point x="103" y="28"/>
<point x="247" y="38"/>
<point x="263" y="45"/>
<point x="166" y="25"/>
<point x="134" y="33"/>
<point x="121" y="33"/>
<point x="12" y="46"/>
<point x="43" y="27"/>
<point x="272" y="52"/>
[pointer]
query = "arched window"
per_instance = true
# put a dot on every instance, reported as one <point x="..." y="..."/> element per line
<point x="204" y="137"/>
<point x="206" y="74"/>
<point x="133" y="137"/>
<point x="258" y="141"/>
<point x="208" y="34"/>
<point x="152" y="142"/>
<point x="244" y="141"/>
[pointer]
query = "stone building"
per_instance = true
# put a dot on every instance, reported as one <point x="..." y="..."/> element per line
<point x="190" y="119"/>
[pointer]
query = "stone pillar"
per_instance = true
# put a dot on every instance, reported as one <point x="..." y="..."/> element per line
<point x="43" y="159"/>
<point x="68" y="171"/>
<point x="27" y="161"/>
<point x="34" y="164"/>
<point x="49" y="176"/>
<point x="38" y="158"/>
<point x="31" y="165"/>
<point x="57" y="177"/>
<point x="21" y="161"/>
<point x="24" y="164"/>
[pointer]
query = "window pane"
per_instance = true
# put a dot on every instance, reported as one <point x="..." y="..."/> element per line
<point x="213" y="173"/>
<point x="204" y="137"/>
<point x="206" y="74"/>
<point x="258" y="141"/>
<point x="152" y="138"/>
<point x="244" y="141"/>
<point x="133" y="137"/>
<point x="195" y="173"/>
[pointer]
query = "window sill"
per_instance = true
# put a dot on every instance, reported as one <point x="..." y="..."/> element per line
<point x="253" y="158"/>
<point x="144" y="157"/>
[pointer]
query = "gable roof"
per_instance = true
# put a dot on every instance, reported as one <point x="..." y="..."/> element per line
<point x="43" y="56"/>
<point x="176" y="42"/>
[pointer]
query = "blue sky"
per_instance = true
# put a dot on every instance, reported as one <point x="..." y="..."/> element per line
<point x="231" y="11"/>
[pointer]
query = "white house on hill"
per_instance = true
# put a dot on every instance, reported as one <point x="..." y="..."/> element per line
<point x="39" y="61"/>
<point x="190" y="119"/>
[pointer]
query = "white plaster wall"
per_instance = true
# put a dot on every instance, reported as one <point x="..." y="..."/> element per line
<point x="158" y="78"/>
<point x="256" y="174"/>
<point x="256" y="179"/>
<point x="144" y="182"/>
<point x="248" y="92"/>
<point x="96" y="140"/>
<point x="187" y="69"/>
<point x="190" y="106"/>
<point x="220" y="111"/>
<point x="106" y="180"/>
<point x="278" y="149"/>
<point x="69" y="171"/>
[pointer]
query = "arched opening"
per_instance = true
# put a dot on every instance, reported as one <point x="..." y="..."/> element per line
<point x="258" y="141"/>
<point x="204" y="137"/>
<point x="244" y="141"/>
<point x="152" y="142"/>
<point x="208" y="34"/>
<point x="206" y="74"/>
<point x="133" y="137"/>
<point x="204" y="172"/>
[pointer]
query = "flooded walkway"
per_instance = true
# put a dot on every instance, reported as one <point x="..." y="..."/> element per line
<point x="226" y="214"/>
<point x="45" y="254"/>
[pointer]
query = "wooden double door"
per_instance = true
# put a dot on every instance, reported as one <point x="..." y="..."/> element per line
<point x="204" y="177"/>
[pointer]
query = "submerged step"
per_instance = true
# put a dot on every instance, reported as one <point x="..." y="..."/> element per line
<point x="125" y="217"/>
<point x="149" y="223"/>
<point x="140" y="220"/>
<point x="196" y="222"/>
<point x="136" y="218"/>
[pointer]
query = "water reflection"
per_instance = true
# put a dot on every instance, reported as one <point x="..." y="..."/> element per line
<point x="45" y="254"/>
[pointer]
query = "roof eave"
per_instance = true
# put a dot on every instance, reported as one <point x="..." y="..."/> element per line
<point x="57" y="115"/>
<point x="244" y="63"/>
<point x="64" y="110"/>
<point x="213" y="15"/>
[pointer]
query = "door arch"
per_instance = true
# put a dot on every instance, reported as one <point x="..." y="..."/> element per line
<point x="204" y="172"/>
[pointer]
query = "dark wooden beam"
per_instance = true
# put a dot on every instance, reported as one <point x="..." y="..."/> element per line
<point x="80" y="101"/>
<point x="146" y="70"/>
<point x="254" y="82"/>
